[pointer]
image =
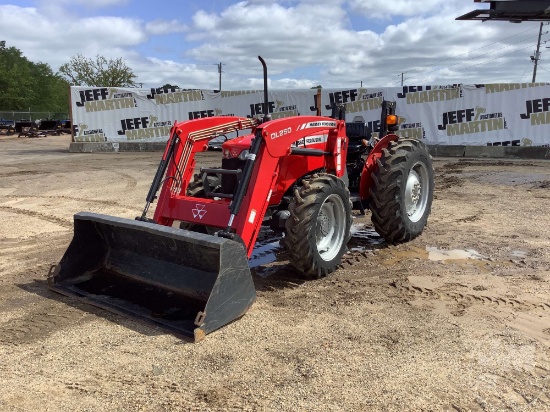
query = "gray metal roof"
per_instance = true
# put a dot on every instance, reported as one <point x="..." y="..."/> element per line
<point x="514" y="11"/>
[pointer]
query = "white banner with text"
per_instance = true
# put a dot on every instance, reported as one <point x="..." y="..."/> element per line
<point x="481" y="115"/>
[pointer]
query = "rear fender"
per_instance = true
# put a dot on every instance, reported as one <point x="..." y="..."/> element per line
<point x="278" y="138"/>
<point x="371" y="164"/>
<point x="312" y="132"/>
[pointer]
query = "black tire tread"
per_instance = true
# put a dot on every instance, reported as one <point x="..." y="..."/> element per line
<point x="303" y="211"/>
<point x="388" y="216"/>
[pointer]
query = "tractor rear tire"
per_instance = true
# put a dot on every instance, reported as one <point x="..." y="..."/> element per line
<point x="402" y="190"/>
<point x="318" y="228"/>
<point x="196" y="188"/>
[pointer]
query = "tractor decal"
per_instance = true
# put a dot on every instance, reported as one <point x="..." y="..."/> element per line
<point x="199" y="211"/>
<point x="316" y="124"/>
<point x="311" y="140"/>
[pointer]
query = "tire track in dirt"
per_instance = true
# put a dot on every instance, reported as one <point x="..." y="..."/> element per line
<point x="49" y="218"/>
<point x="38" y="325"/>
<point x="527" y="318"/>
<point x="32" y="327"/>
<point x="33" y="246"/>
<point x="407" y="288"/>
<point x="131" y="182"/>
<point x="77" y="199"/>
<point x="38" y="319"/>
<point x="173" y="392"/>
<point x="532" y="391"/>
<point x="20" y="173"/>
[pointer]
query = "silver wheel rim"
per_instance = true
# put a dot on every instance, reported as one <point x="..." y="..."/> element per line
<point x="417" y="191"/>
<point x="330" y="228"/>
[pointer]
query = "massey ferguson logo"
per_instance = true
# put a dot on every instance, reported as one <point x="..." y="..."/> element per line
<point x="199" y="211"/>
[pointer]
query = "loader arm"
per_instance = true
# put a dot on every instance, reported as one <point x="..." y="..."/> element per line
<point x="187" y="139"/>
<point x="243" y="215"/>
<point x="277" y="139"/>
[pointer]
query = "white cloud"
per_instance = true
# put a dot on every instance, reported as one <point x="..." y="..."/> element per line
<point x="305" y="42"/>
<point x="428" y="46"/>
<point x="290" y="37"/>
<point x="204" y="21"/>
<point x="156" y="72"/>
<point x="157" y="27"/>
<point x="54" y="41"/>
<point x="385" y="9"/>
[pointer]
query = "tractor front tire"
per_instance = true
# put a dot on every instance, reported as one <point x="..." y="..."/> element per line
<point x="318" y="229"/>
<point x="402" y="190"/>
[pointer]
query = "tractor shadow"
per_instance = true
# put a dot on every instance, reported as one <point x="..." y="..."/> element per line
<point x="271" y="269"/>
<point x="40" y="288"/>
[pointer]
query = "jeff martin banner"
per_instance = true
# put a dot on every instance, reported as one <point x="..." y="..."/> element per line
<point x="482" y="114"/>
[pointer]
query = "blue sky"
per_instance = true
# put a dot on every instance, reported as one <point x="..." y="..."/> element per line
<point x="336" y="43"/>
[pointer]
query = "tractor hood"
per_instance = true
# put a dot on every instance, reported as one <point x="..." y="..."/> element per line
<point x="233" y="148"/>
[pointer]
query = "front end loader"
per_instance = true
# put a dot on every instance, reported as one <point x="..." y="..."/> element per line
<point x="186" y="268"/>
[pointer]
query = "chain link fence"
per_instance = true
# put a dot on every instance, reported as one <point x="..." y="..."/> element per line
<point x="32" y="116"/>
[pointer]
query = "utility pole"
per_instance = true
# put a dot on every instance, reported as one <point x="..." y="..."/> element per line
<point x="220" y="72"/>
<point x="401" y="78"/>
<point x="536" y="57"/>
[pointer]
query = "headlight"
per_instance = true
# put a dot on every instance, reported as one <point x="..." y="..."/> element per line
<point x="243" y="154"/>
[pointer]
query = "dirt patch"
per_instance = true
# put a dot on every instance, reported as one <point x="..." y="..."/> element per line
<point x="443" y="182"/>
<point x="545" y="184"/>
<point x="457" y="319"/>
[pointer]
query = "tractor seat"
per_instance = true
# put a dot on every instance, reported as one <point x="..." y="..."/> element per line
<point x="356" y="132"/>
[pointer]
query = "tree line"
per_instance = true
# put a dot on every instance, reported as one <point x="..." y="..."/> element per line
<point x="25" y="85"/>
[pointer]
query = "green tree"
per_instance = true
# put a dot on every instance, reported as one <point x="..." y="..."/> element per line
<point x="51" y="90"/>
<point x="15" y="79"/>
<point x="83" y="71"/>
<point x="24" y="84"/>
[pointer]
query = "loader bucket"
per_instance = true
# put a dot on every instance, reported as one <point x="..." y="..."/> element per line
<point x="189" y="283"/>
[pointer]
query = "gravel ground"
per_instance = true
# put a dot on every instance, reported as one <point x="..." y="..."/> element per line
<point x="458" y="319"/>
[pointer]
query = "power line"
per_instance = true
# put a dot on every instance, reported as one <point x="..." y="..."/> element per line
<point x="525" y="71"/>
<point x="493" y="51"/>
<point x="544" y="68"/>
<point x="474" y="57"/>
<point x="498" y="57"/>
<point x="420" y="80"/>
<point x="487" y="45"/>
<point x="536" y="57"/>
<point x="477" y="64"/>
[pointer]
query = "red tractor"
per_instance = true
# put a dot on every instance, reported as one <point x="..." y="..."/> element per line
<point x="187" y="268"/>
